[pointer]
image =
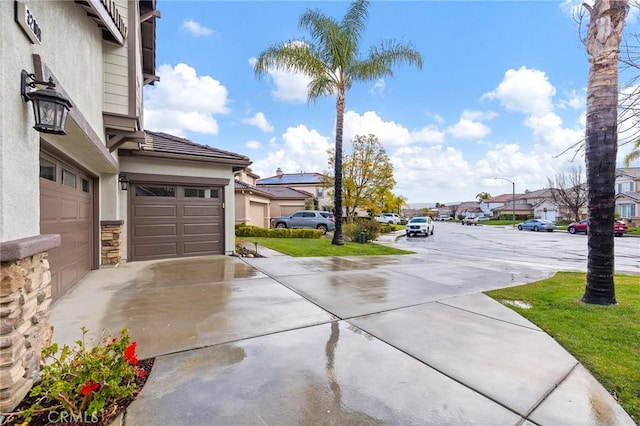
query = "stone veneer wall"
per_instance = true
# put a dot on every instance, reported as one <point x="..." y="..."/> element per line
<point x="111" y="238"/>
<point x="25" y="302"/>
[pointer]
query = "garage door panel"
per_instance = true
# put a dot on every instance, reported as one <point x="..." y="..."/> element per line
<point x="49" y="208"/>
<point x="152" y="230"/>
<point x="206" y="211"/>
<point x="201" y="229"/>
<point x="155" y="210"/>
<point x="155" y="251"/>
<point x="199" y="247"/>
<point x="68" y="209"/>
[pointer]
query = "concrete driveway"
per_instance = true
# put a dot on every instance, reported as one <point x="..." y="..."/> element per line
<point x="366" y="340"/>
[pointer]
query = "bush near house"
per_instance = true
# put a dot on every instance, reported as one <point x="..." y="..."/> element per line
<point x="256" y="231"/>
<point x="371" y="228"/>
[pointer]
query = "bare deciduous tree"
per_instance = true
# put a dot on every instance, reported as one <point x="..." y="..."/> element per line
<point x="569" y="191"/>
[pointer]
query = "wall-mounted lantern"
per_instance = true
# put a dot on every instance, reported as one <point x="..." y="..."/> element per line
<point x="50" y="108"/>
<point x="124" y="182"/>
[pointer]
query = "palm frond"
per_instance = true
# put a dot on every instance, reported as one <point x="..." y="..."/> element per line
<point x="292" y="56"/>
<point x="383" y="59"/>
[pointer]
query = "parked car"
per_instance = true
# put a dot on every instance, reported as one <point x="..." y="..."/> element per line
<point x="393" y="216"/>
<point x="619" y="227"/>
<point x="420" y="225"/>
<point x="316" y="219"/>
<point x="444" y="217"/>
<point x="384" y="218"/>
<point x="470" y="221"/>
<point x="537" y="225"/>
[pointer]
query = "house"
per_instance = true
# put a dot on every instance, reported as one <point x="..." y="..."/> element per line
<point x="97" y="189"/>
<point x="469" y="209"/>
<point x="628" y="194"/>
<point x="252" y="204"/>
<point x="312" y="183"/>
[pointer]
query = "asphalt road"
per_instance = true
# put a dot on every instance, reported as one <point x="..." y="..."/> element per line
<point x="555" y="250"/>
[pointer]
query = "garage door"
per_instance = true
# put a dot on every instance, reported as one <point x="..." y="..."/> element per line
<point x="66" y="208"/>
<point x="175" y="221"/>
<point x="257" y="214"/>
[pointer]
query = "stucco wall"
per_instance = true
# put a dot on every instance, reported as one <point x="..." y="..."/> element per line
<point x="178" y="168"/>
<point x="71" y="47"/>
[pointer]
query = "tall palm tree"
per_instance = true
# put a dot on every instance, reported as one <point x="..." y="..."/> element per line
<point x="331" y="59"/>
<point x="634" y="154"/>
<point x="603" y="44"/>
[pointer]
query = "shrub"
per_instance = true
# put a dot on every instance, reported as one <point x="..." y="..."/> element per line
<point x="371" y="228"/>
<point x="256" y="231"/>
<point x="86" y="383"/>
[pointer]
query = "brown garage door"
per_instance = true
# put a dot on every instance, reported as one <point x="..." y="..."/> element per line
<point x="175" y="221"/>
<point x="66" y="208"/>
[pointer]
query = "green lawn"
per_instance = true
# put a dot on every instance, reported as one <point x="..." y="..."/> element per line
<point x="605" y="339"/>
<point x="306" y="247"/>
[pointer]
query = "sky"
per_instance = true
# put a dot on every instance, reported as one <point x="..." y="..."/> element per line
<point x="502" y="92"/>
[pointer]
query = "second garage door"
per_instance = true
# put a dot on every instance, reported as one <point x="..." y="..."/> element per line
<point x="175" y="221"/>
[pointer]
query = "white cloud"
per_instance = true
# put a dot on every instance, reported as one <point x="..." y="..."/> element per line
<point x="196" y="29"/>
<point x="289" y="87"/>
<point x="253" y="145"/>
<point x="389" y="133"/>
<point x="302" y="150"/>
<point x="378" y="88"/>
<point x="524" y="90"/>
<point x="260" y="121"/>
<point x="183" y="101"/>
<point x="478" y="115"/>
<point x="468" y="129"/>
<point x="574" y="99"/>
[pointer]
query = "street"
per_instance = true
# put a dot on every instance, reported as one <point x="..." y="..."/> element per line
<point x="555" y="250"/>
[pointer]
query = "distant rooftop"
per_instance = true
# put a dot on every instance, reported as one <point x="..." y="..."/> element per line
<point x="293" y="179"/>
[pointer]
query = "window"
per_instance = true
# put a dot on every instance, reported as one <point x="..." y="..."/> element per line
<point x="299" y="214"/>
<point x="624" y="187"/>
<point x="47" y="170"/>
<point x="85" y="185"/>
<point x="155" y="191"/>
<point x="319" y="192"/>
<point x="201" y="193"/>
<point x="69" y="179"/>
<point x="627" y="210"/>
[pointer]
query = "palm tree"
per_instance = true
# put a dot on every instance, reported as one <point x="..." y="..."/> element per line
<point x="483" y="196"/>
<point x="633" y="155"/>
<point x="331" y="59"/>
<point x="603" y="45"/>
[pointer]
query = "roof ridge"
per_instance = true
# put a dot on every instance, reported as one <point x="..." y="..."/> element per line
<point x="190" y="142"/>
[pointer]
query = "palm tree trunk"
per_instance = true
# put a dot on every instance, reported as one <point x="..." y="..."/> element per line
<point x="603" y="43"/>
<point x="338" y="239"/>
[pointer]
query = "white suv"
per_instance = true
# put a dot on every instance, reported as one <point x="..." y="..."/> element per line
<point x="420" y="225"/>
<point x="393" y="218"/>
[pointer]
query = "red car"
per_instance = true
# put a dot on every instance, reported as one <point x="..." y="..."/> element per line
<point x="619" y="228"/>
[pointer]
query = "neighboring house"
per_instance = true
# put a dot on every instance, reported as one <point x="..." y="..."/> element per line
<point x="253" y="204"/>
<point x="103" y="192"/>
<point x="628" y="194"/>
<point x="286" y="200"/>
<point x="487" y="206"/>
<point x="469" y="209"/>
<point x="312" y="183"/>
<point x="539" y="200"/>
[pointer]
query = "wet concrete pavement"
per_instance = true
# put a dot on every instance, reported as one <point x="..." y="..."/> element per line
<point x="366" y="340"/>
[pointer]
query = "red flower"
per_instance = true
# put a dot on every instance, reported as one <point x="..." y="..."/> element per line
<point x="142" y="374"/>
<point x="130" y="354"/>
<point x="89" y="387"/>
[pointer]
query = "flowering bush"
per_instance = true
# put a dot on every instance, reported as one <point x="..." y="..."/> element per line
<point x="86" y="382"/>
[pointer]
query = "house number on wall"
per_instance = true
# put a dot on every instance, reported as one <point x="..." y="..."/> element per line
<point x="28" y="22"/>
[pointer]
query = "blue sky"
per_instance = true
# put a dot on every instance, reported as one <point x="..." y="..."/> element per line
<point x="502" y="91"/>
